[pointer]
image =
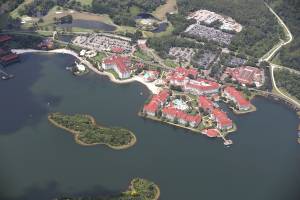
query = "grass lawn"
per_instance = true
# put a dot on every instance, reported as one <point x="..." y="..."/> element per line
<point x="144" y="56"/>
<point x="171" y="63"/>
<point x="113" y="73"/>
<point x="14" y="13"/>
<point x="161" y="11"/>
<point x="126" y="29"/>
<point x="99" y="57"/>
<point x="85" y="2"/>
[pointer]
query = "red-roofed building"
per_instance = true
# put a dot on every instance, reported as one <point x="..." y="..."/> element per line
<point x="183" y="118"/>
<point x="234" y="95"/>
<point x="205" y="103"/>
<point x="9" y="58"/>
<point x="247" y="75"/>
<point x="121" y="65"/>
<point x="212" y="133"/>
<point x="5" y="38"/>
<point x="223" y="122"/>
<point x="201" y="87"/>
<point x="156" y="102"/>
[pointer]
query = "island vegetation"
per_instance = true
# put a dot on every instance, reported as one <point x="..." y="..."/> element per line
<point x="87" y="132"/>
<point x="139" y="189"/>
<point x="288" y="81"/>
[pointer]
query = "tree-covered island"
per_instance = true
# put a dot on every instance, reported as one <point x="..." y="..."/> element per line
<point x="88" y="133"/>
<point x="139" y="189"/>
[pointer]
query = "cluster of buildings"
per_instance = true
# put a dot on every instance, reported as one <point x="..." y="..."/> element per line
<point x="162" y="105"/>
<point x="187" y="80"/>
<point x="168" y="111"/>
<point x="208" y="17"/>
<point x="180" y="53"/>
<point x="209" y="33"/>
<point x="247" y="75"/>
<point x="100" y="42"/>
<point x="232" y="94"/>
<point x="205" y="28"/>
<point x="6" y="56"/>
<point x="216" y="114"/>
<point x="120" y="64"/>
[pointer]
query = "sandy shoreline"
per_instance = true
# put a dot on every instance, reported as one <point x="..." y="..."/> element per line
<point x="151" y="86"/>
<point x="76" y="135"/>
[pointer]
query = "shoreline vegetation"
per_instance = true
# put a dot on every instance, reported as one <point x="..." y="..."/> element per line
<point x="139" y="189"/>
<point x="87" y="133"/>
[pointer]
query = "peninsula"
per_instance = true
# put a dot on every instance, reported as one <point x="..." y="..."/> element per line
<point x="88" y="133"/>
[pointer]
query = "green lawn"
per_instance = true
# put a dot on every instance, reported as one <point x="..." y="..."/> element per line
<point x="171" y="63"/>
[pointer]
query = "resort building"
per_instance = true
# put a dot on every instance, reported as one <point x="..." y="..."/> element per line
<point x="212" y="133"/>
<point x="156" y="102"/>
<point x="4" y="38"/>
<point x="119" y="64"/>
<point x="223" y="122"/>
<point x="9" y="58"/>
<point x="183" y="118"/>
<point x="247" y="75"/>
<point x="205" y="103"/>
<point x="201" y="87"/>
<point x="186" y="80"/>
<point x="208" y="17"/>
<point x="232" y="94"/>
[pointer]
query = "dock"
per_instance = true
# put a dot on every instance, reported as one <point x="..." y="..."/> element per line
<point x="5" y="76"/>
<point x="226" y="142"/>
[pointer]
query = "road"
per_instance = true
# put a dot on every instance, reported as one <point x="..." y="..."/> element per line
<point x="267" y="57"/>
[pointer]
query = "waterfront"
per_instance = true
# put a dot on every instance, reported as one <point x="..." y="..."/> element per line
<point x="39" y="161"/>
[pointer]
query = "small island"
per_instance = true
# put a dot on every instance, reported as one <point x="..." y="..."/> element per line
<point x="88" y="133"/>
<point x="139" y="189"/>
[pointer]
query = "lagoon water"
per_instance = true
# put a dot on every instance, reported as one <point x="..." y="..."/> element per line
<point x="40" y="162"/>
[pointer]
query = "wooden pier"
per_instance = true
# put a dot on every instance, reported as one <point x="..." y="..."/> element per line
<point x="5" y="76"/>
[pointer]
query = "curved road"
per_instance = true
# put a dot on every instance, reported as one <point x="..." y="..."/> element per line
<point x="267" y="57"/>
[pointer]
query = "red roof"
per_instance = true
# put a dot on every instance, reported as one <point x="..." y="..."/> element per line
<point x="174" y="112"/>
<point x="156" y="100"/>
<point x="221" y="117"/>
<point x="4" y="38"/>
<point x="9" y="57"/>
<point x="185" y="72"/>
<point x="121" y="63"/>
<point x="205" y="103"/>
<point x="245" y="74"/>
<point x="203" y="85"/>
<point x="237" y="96"/>
<point x="151" y="107"/>
<point x="212" y="133"/>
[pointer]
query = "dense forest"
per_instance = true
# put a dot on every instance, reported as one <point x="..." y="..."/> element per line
<point x="261" y="30"/>
<point x="42" y="7"/>
<point x="289" y="10"/>
<point x="289" y="81"/>
<point x="163" y="44"/>
<point x="123" y="12"/>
